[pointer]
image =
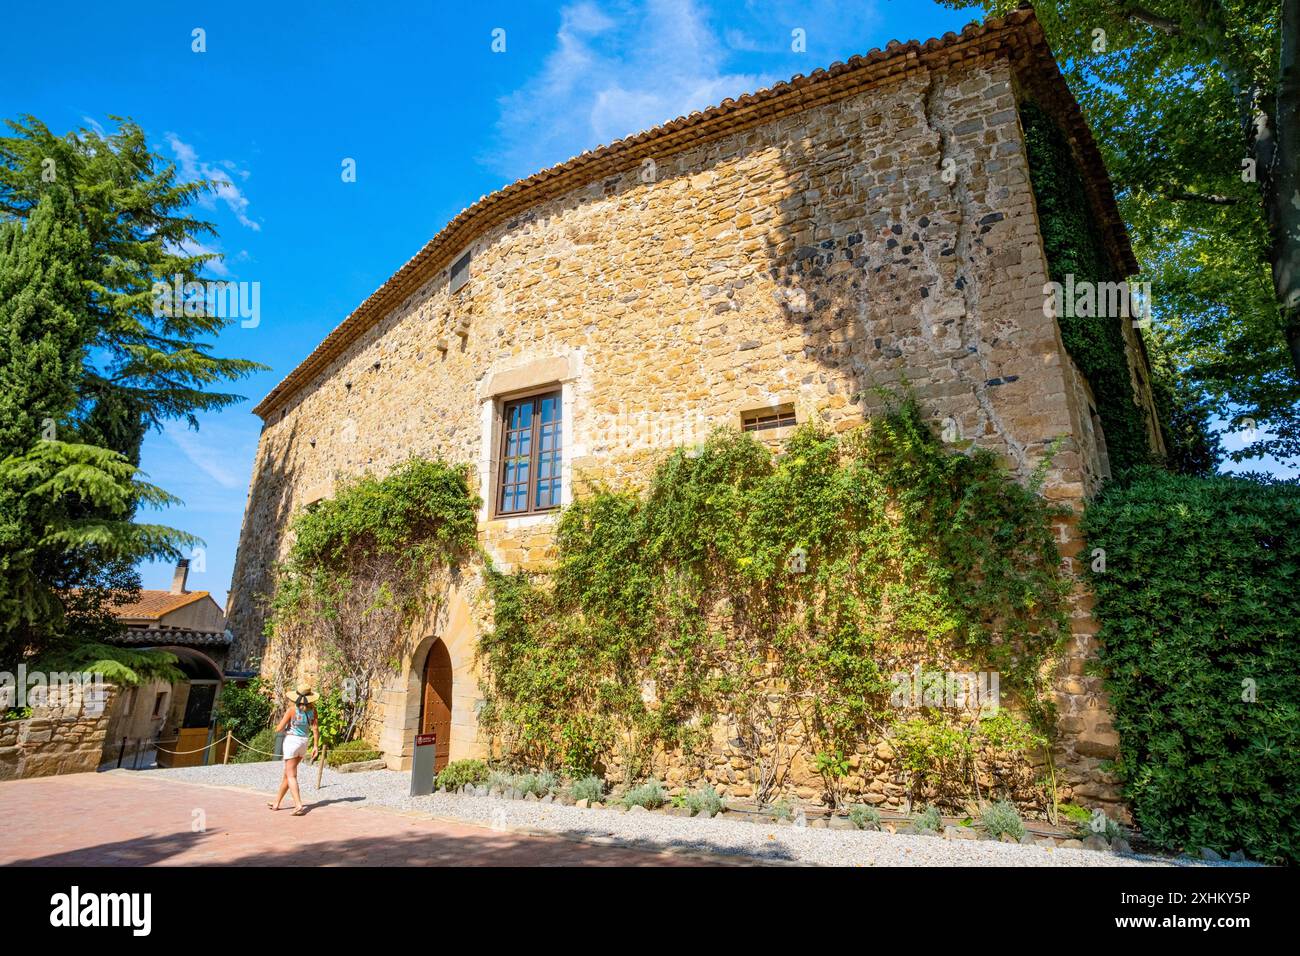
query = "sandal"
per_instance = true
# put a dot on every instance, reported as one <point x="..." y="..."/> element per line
<point x="271" y="806"/>
<point x="300" y="811"/>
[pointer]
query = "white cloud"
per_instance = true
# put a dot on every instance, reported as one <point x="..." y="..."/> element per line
<point x="192" y="247"/>
<point x="221" y="174"/>
<point x="208" y="452"/>
<point x="611" y="77"/>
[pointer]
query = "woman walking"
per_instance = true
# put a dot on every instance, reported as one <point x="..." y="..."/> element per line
<point x="297" y="720"/>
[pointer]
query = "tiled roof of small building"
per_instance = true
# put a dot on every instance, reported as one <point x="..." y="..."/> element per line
<point x="152" y="605"/>
<point x="1017" y="36"/>
<point x="182" y="636"/>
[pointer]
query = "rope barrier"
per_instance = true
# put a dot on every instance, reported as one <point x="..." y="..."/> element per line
<point x="184" y="753"/>
<point x="249" y="746"/>
<point x="254" y="749"/>
<point x="216" y="743"/>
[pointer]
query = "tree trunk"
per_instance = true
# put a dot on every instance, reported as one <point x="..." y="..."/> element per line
<point x="1283" y="199"/>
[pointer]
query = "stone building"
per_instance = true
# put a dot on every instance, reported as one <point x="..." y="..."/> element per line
<point x="765" y="262"/>
<point x="191" y="626"/>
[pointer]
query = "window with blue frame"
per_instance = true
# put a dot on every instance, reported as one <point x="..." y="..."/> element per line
<point x="532" y="451"/>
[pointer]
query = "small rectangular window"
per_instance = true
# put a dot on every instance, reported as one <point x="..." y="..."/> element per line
<point x="765" y="418"/>
<point x="158" y="704"/>
<point x="460" y="272"/>
<point x="531" y="455"/>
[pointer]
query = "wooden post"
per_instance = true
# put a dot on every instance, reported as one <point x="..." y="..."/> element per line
<point x="225" y="754"/>
<point x="320" y="771"/>
<point x="121" y="752"/>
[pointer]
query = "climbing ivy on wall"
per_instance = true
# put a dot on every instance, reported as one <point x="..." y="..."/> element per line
<point x="361" y="571"/>
<point x="1074" y="247"/>
<point x="777" y="592"/>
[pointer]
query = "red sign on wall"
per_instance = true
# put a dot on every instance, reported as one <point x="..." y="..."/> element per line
<point x="425" y="740"/>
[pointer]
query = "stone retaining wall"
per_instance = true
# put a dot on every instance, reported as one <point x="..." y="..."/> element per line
<point x="64" y="734"/>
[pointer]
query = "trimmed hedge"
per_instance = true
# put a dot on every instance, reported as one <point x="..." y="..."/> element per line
<point x="1199" y="606"/>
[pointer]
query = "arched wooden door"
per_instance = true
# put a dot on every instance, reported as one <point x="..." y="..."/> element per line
<point x="435" y="702"/>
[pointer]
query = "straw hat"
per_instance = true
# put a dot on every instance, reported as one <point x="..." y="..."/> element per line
<point x="302" y="691"/>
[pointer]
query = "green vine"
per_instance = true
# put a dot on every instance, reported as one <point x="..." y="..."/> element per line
<point x="1074" y="247"/>
<point x="777" y="592"/>
<point x="361" y="571"/>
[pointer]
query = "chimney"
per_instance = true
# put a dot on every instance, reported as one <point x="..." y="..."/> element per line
<point x="182" y="574"/>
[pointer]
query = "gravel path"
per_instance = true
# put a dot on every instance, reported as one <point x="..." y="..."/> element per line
<point x="776" y="844"/>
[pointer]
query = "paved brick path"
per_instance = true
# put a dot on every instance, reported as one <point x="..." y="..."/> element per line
<point x="124" y="819"/>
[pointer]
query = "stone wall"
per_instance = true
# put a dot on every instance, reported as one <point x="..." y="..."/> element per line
<point x="876" y="776"/>
<point x="803" y="262"/>
<point x="64" y="734"/>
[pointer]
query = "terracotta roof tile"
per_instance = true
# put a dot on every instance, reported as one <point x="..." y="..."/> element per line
<point x="154" y="604"/>
<point x="155" y="636"/>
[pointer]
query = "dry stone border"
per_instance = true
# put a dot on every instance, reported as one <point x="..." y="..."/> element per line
<point x="723" y="835"/>
<point x="799" y="819"/>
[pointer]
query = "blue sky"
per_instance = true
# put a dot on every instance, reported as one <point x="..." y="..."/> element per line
<point x="433" y="118"/>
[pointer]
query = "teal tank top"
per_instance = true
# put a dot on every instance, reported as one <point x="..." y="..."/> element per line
<point x="301" y="724"/>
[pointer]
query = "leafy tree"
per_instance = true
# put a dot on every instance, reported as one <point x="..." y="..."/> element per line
<point x="65" y="505"/>
<point x="124" y="666"/>
<point x="1192" y="445"/>
<point x="88" y="224"/>
<point x="245" y="711"/>
<point x="144" y="368"/>
<point x="1196" y="104"/>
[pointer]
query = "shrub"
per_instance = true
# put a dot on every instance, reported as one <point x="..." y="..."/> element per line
<point x="591" y="789"/>
<point x="460" y="772"/>
<point x="1002" y="817"/>
<point x="245" y="711"/>
<point x="1200" y="641"/>
<point x="354" y="751"/>
<point x="650" y="795"/>
<point x="1075" y="813"/>
<point x="331" y="718"/>
<point x="705" y="800"/>
<point x="1102" y="825"/>
<point x="782" y="809"/>
<point x="539" y="784"/>
<point x="264" y="741"/>
<point x="928" y="820"/>
<point x="864" y="817"/>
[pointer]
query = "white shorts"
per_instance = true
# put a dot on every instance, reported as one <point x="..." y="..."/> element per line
<point x="294" y="746"/>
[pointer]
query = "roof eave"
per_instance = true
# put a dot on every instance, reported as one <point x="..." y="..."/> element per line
<point x="1016" y="33"/>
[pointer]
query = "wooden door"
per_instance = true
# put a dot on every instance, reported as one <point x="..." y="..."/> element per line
<point x="435" y="703"/>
